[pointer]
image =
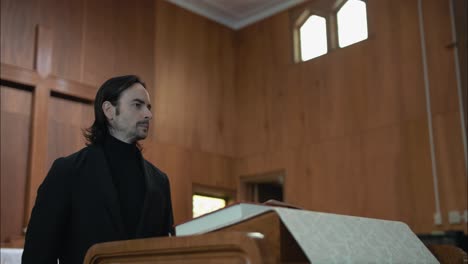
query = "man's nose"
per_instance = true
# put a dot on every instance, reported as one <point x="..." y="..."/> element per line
<point x="148" y="114"/>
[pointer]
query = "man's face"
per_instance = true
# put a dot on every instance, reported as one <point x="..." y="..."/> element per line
<point x="130" y="117"/>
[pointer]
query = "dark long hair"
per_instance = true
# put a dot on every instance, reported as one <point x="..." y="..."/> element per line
<point x="109" y="91"/>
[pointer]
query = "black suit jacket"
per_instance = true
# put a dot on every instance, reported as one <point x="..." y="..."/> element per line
<point x="77" y="206"/>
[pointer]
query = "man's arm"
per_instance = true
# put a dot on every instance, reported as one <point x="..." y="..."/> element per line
<point x="48" y="217"/>
<point x="169" y="214"/>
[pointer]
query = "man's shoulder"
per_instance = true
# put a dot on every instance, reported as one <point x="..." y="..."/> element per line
<point x="155" y="170"/>
<point x="78" y="157"/>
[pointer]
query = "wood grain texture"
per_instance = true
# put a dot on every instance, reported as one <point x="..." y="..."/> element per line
<point x="453" y="181"/>
<point x="448" y="253"/>
<point x="350" y="127"/>
<point x="14" y="73"/>
<point x="97" y="40"/>
<point x="38" y="146"/>
<point x="441" y="65"/>
<point x="417" y="201"/>
<point x="461" y="26"/>
<point x="222" y="247"/>
<point x="118" y="40"/>
<point x="445" y="110"/>
<point x="92" y="41"/>
<point x="15" y="122"/>
<point x="194" y="96"/>
<point x="44" y="51"/>
<point x="65" y="20"/>
<point x="66" y="121"/>
<point x="184" y="167"/>
<point x="410" y="64"/>
<point x="72" y="88"/>
<point x="18" y="20"/>
<point x="278" y="246"/>
<point x="68" y="29"/>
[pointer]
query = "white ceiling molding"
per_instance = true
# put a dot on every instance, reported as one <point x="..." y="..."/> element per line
<point x="236" y="14"/>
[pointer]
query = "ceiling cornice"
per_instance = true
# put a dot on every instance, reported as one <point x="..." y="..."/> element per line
<point x="211" y="9"/>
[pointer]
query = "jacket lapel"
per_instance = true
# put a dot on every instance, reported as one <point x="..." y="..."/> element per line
<point x="106" y="187"/>
<point x="150" y="197"/>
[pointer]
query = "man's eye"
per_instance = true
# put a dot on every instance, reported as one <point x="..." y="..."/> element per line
<point x="138" y="105"/>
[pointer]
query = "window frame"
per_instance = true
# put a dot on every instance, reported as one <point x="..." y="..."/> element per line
<point x="329" y="11"/>
<point x="216" y="192"/>
<point x="335" y="14"/>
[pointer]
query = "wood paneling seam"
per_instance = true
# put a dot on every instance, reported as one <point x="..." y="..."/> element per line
<point x="438" y="214"/>
<point x="459" y="84"/>
<point x="83" y="40"/>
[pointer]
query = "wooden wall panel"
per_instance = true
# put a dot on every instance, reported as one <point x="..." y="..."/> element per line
<point x="331" y="167"/>
<point x="355" y="117"/>
<point x="185" y="167"/>
<point x="92" y="41"/>
<point x="18" y="20"/>
<point x="445" y="110"/>
<point x="419" y="207"/>
<point x="350" y="126"/>
<point x="410" y="67"/>
<point x="381" y="88"/>
<point x="173" y="161"/>
<point x="15" y="123"/>
<point x="250" y="93"/>
<point x="66" y="120"/>
<point x="441" y="66"/>
<point x="343" y="98"/>
<point x="118" y="39"/>
<point x="381" y="168"/>
<point x="453" y="181"/>
<point x="194" y="98"/>
<point x="461" y="26"/>
<point x="98" y="42"/>
<point x="193" y="123"/>
<point x="64" y="19"/>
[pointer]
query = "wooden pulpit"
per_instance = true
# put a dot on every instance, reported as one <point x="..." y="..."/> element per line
<point x="263" y="239"/>
<point x="262" y="234"/>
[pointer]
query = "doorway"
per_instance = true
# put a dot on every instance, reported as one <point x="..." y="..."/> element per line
<point x="259" y="188"/>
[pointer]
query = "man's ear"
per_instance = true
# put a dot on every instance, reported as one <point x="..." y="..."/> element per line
<point x="109" y="110"/>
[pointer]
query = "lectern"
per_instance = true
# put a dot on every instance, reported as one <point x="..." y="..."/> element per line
<point x="272" y="235"/>
<point x="263" y="239"/>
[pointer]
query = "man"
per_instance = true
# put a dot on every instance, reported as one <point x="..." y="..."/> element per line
<point x="106" y="191"/>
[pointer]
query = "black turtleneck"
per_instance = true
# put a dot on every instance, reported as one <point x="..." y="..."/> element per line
<point x="126" y="169"/>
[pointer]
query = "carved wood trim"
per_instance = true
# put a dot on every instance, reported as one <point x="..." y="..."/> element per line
<point x="38" y="146"/>
<point x="72" y="88"/>
<point x="19" y="75"/>
<point x="44" y="51"/>
<point x="43" y="84"/>
<point x="219" y="247"/>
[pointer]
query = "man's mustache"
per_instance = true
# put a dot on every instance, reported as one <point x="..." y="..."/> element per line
<point x="145" y="122"/>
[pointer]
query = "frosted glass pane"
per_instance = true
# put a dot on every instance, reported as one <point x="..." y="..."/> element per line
<point x="313" y="37"/>
<point x="352" y="23"/>
<point x="205" y="204"/>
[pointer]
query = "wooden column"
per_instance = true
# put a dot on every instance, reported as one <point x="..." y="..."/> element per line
<point x="38" y="143"/>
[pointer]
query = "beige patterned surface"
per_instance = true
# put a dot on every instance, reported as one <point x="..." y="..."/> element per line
<point x="330" y="238"/>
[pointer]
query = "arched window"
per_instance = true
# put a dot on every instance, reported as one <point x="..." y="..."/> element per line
<point x="352" y="23"/>
<point x="323" y="26"/>
<point x="313" y="36"/>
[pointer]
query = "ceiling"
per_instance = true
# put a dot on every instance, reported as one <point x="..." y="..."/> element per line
<point x="236" y="13"/>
